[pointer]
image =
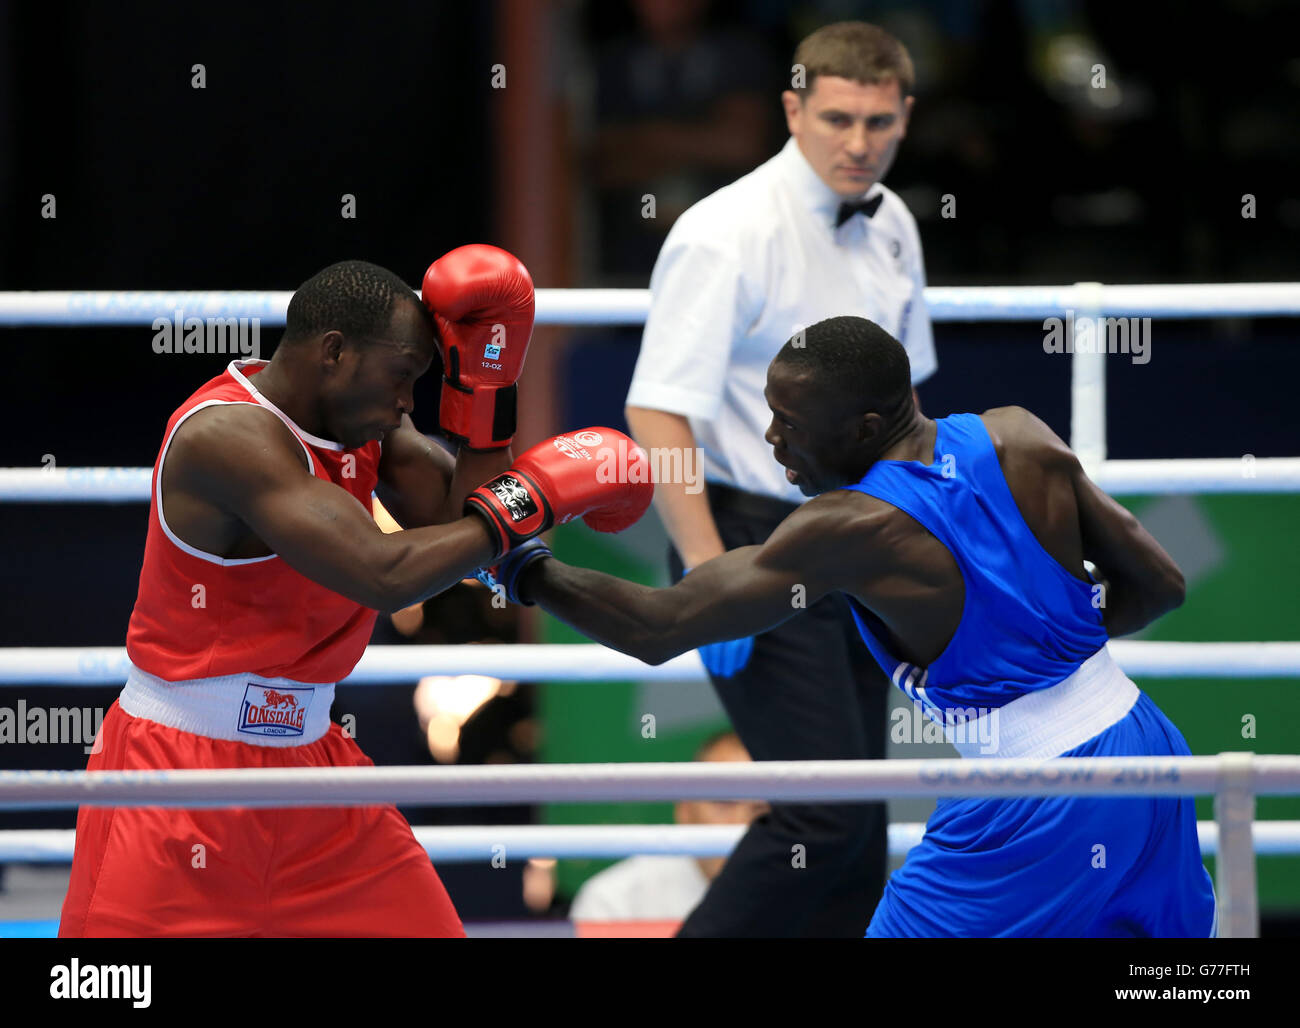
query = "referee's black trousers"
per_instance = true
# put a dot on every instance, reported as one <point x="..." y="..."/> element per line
<point x="811" y="691"/>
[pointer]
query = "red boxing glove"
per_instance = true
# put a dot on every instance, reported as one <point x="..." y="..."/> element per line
<point x="598" y="474"/>
<point x="482" y="301"/>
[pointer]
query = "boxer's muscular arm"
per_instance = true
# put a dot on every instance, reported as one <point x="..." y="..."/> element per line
<point x="244" y="461"/>
<point x="1142" y="580"/>
<point x="414" y="477"/>
<point x="742" y="592"/>
<point x="419" y="482"/>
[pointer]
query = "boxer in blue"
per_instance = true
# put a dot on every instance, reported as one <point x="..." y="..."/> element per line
<point x="960" y="544"/>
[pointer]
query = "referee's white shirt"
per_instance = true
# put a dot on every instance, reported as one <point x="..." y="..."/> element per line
<point x="742" y="271"/>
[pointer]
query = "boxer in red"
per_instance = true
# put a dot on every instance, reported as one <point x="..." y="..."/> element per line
<point x="263" y="572"/>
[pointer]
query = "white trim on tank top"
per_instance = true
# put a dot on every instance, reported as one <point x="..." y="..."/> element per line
<point x="234" y="368"/>
<point x="176" y="540"/>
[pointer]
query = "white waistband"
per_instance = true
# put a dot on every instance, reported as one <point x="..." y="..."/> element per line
<point x="1048" y="722"/>
<point x="242" y="708"/>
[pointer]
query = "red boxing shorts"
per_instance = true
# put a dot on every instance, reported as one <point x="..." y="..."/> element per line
<point x="321" y="871"/>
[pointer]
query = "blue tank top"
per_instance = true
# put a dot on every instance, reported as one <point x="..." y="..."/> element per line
<point x="1027" y="623"/>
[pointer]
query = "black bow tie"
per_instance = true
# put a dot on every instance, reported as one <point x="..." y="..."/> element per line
<point x="867" y="207"/>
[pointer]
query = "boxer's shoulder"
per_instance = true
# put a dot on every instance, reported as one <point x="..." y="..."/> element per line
<point x="228" y="442"/>
<point x="841" y="526"/>
<point x="1018" y="434"/>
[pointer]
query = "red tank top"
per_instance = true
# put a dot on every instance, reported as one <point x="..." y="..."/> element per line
<point x="198" y="615"/>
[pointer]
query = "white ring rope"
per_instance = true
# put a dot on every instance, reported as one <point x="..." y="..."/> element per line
<point x="1117" y="477"/>
<point x="629" y="306"/>
<point x="474" y="843"/>
<point x="1199" y="475"/>
<point x="590" y="662"/>
<point x="834" y="781"/>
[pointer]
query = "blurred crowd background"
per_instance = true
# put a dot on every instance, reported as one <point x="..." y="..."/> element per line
<point x="542" y="127"/>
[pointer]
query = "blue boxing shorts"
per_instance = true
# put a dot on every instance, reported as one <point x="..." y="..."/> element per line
<point x="1060" y="866"/>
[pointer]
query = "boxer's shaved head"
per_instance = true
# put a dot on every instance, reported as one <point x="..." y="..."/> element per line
<point x="839" y="392"/>
<point x="855" y="361"/>
<point x="356" y="338"/>
<point x="355" y="298"/>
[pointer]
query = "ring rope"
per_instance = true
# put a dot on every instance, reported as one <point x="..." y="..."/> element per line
<point x="591" y="662"/>
<point x="1248" y="474"/>
<point x="630" y="306"/>
<point x="814" y="780"/>
<point x="451" y="844"/>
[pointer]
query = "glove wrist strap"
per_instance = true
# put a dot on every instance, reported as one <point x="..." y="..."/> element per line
<point x="515" y="507"/>
<point x="482" y="417"/>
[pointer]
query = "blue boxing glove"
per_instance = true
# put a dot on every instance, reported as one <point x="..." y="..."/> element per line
<point x="725" y="659"/>
<point x="507" y="572"/>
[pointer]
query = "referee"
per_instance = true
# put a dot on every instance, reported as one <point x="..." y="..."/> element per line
<point x="810" y="234"/>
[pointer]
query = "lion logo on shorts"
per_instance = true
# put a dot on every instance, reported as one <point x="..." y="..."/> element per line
<point x="268" y="711"/>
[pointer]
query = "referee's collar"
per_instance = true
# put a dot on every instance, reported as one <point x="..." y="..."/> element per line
<point x="820" y="198"/>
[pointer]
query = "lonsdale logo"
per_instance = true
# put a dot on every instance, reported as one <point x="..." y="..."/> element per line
<point x="268" y="711"/>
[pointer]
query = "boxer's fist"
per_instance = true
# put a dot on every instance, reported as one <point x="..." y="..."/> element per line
<point x="481" y="299"/>
<point x="597" y="474"/>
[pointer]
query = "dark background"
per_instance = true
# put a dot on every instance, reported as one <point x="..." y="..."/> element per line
<point x="238" y="185"/>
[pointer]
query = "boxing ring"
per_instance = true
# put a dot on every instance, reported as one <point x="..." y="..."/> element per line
<point x="1234" y="779"/>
